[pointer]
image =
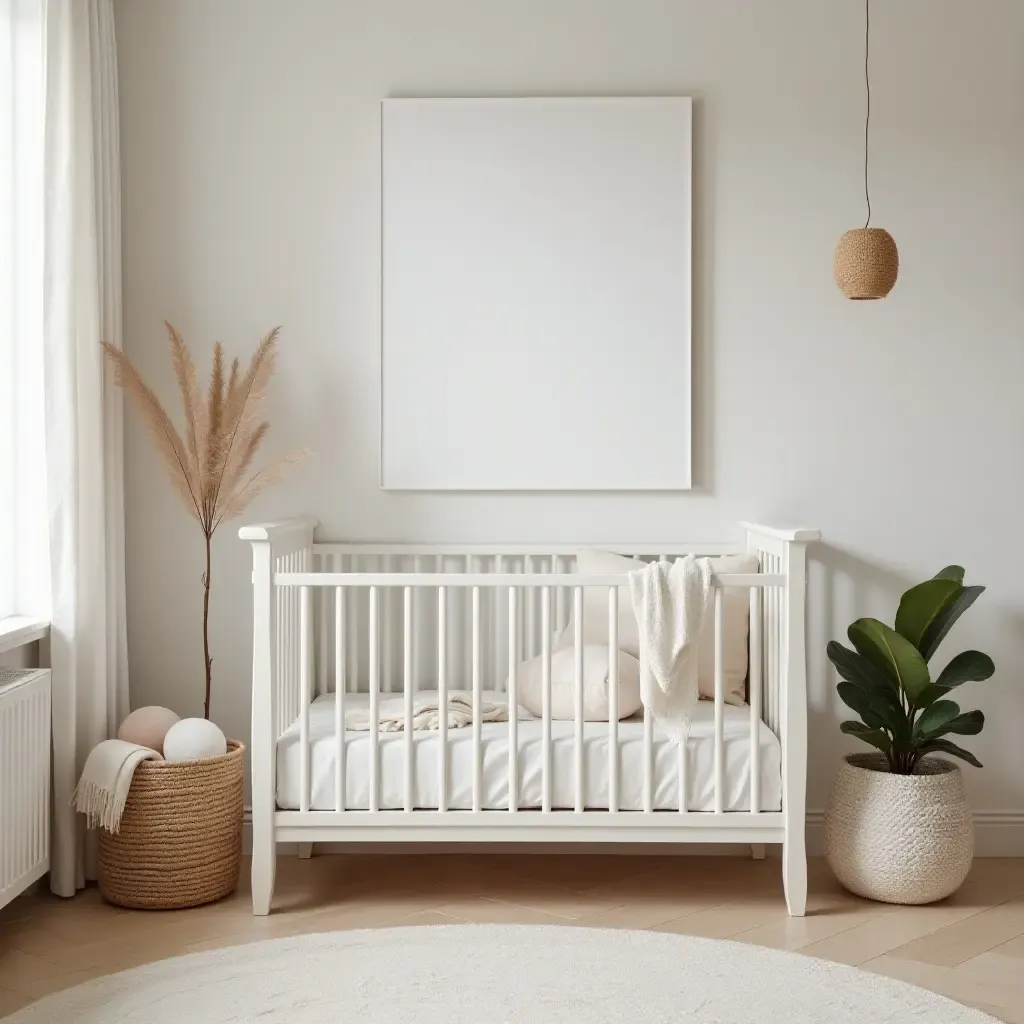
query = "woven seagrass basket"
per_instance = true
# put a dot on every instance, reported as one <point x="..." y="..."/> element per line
<point x="899" y="838"/>
<point x="180" y="841"/>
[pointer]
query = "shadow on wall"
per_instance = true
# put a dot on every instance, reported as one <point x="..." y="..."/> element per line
<point x="842" y="586"/>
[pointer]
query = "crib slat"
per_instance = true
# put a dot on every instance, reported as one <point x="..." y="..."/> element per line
<point x="477" y="721"/>
<point x="386" y="617"/>
<point x="466" y="638"/>
<point x="442" y="698"/>
<point x="755" y="699"/>
<point x="531" y="611"/>
<point x="499" y="626"/>
<point x="719" y="703"/>
<point x="613" y="699"/>
<point x="559" y="595"/>
<point x="353" y="632"/>
<point x="648" y="760"/>
<point x="513" y="701"/>
<point x="417" y="640"/>
<point x="321" y="619"/>
<point x="410" y="765"/>
<point x="305" y="640"/>
<point x="681" y="773"/>
<point x="374" y="684"/>
<point x="577" y="598"/>
<point x="545" y="641"/>
<point x="339" y="698"/>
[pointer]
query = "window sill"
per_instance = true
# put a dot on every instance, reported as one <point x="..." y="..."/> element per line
<point x="18" y="630"/>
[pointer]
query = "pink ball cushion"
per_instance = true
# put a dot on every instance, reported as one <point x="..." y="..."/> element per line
<point x="148" y="726"/>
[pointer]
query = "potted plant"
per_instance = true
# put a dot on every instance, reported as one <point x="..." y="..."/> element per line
<point x="180" y="836"/>
<point x="898" y="828"/>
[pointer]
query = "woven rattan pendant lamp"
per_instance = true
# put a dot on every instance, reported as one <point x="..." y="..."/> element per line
<point x="866" y="262"/>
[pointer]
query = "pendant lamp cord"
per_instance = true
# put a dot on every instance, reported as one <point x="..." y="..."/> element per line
<point x="867" y="116"/>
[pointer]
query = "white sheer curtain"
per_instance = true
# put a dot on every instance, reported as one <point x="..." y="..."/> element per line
<point x="24" y="582"/>
<point x="64" y="269"/>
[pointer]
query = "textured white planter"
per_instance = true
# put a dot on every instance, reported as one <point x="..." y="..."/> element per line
<point x="899" y="838"/>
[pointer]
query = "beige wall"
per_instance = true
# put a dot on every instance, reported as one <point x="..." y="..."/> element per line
<point x="250" y="163"/>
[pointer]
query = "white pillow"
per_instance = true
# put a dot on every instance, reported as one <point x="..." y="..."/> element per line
<point x="736" y="606"/>
<point x="529" y="681"/>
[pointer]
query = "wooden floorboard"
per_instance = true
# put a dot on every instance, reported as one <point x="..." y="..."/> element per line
<point x="969" y="947"/>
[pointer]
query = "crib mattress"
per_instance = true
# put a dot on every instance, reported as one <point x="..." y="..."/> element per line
<point x="700" y="794"/>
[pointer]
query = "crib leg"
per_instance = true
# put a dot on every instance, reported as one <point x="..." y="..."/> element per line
<point x="264" y="869"/>
<point x="757" y="851"/>
<point x="305" y="851"/>
<point x="794" y="872"/>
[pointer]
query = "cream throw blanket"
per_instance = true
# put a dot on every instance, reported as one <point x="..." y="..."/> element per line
<point x="106" y="778"/>
<point x="669" y="600"/>
<point x="426" y="712"/>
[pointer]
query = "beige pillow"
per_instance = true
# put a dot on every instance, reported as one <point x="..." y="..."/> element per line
<point x="736" y="606"/>
<point x="529" y="680"/>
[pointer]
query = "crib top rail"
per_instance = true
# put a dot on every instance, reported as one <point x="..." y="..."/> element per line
<point x="491" y="579"/>
<point x="568" y="550"/>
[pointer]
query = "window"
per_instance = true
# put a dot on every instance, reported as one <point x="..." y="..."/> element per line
<point x="24" y="583"/>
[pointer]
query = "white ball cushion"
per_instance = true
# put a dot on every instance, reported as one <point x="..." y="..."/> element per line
<point x="192" y="738"/>
<point x="596" y="701"/>
<point x="735" y="607"/>
<point x="148" y="726"/>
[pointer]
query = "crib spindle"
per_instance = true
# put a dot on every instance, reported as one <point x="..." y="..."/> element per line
<point x="407" y="695"/>
<point x="531" y="611"/>
<point x="386" y="628"/>
<point x="477" y="720"/>
<point x="648" y="760"/>
<point x="339" y="698"/>
<point x="577" y="597"/>
<point x="755" y="699"/>
<point x="545" y="642"/>
<point x="499" y="626"/>
<point x="321" y="610"/>
<point x="613" y="699"/>
<point x="418" y="598"/>
<point x="352" y="631"/>
<point x="719" y="762"/>
<point x="374" y="684"/>
<point x="442" y="698"/>
<point x="513" y="701"/>
<point x="305" y="695"/>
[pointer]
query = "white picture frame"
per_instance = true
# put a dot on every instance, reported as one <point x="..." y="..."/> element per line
<point x="536" y="298"/>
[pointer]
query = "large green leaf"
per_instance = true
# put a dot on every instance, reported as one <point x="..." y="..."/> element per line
<point x="967" y="667"/>
<point x="875" y="737"/>
<point x="943" y="622"/>
<point x="859" y="700"/>
<point x="946" y="747"/>
<point x="876" y="712"/>
<point x="970" y="723"/>
<point x="892" y="654"/>
<point x="921" y="605"/>
<point x="950" y="572"/>
<point x="936" y="719"/>
<point x="931" y="693"/>
<point x="856" y="669"/>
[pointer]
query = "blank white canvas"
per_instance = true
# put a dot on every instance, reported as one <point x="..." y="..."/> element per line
<point x="536" y="294"/>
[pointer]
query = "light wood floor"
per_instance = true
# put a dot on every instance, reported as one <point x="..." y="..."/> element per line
<point x="970" y="947"/>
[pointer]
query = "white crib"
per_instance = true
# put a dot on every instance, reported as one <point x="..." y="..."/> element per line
<point x="338" y="624"/>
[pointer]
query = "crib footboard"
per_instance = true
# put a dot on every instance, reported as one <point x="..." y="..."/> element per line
<point x="316" y="606"/>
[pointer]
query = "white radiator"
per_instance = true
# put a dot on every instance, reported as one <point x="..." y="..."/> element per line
<point x="24" y="779"/>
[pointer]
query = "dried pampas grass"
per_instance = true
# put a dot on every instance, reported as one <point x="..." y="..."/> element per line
<point x="210" y="468"/>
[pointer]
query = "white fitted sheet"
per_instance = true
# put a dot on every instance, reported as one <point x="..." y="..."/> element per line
<point x="494" y="741"/>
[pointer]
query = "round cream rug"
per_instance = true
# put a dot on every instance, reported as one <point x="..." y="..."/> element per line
<point x="485" y="974"/>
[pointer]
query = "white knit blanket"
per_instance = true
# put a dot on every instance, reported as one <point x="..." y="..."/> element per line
<point x="669" y="600"/>
<point x="426" y="712"/>
<point x="103" y="788"/>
